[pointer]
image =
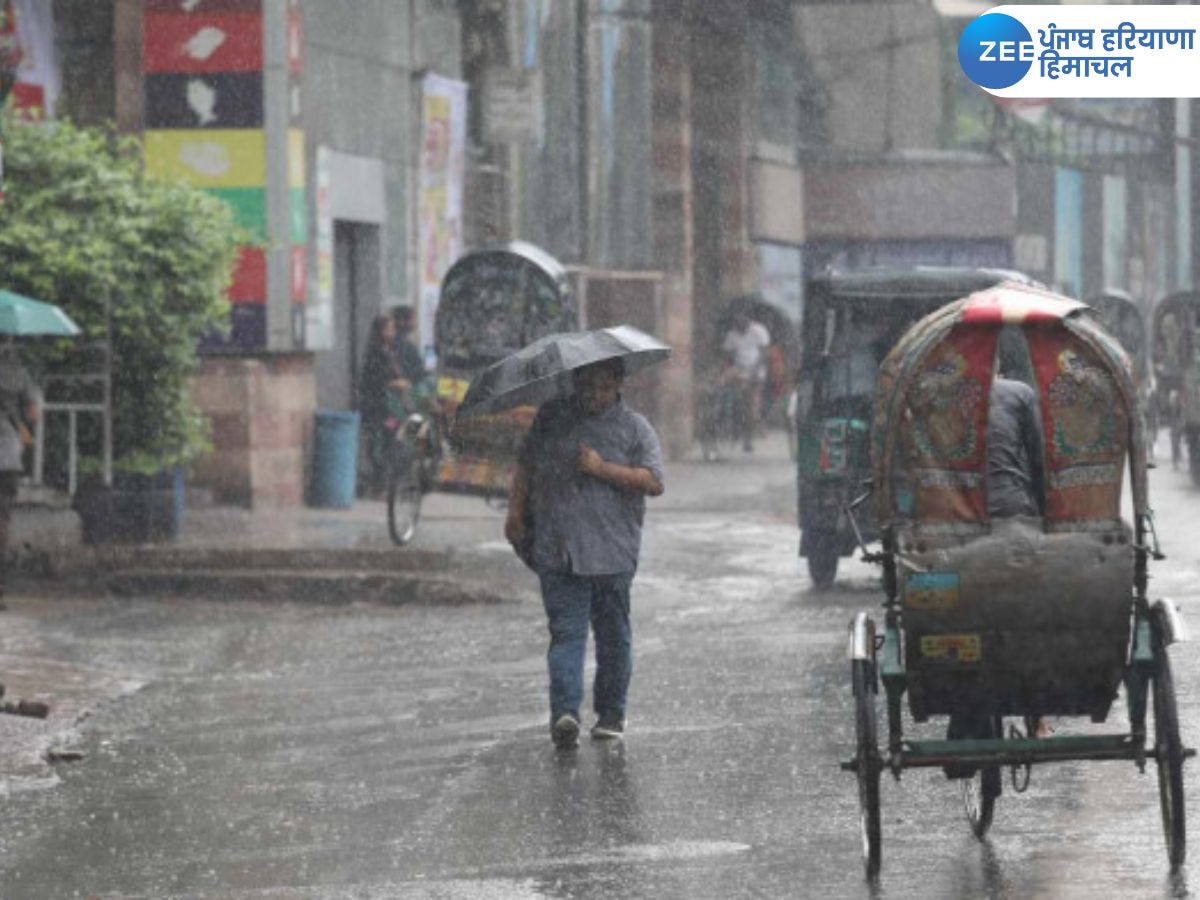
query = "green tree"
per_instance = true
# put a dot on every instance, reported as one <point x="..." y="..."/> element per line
<point x="83" y="226"/>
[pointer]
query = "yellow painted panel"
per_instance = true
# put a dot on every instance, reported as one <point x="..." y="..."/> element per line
<point x="964" y="648"/>
<point x="212" y="158"/>
<point x="296" y="168"/>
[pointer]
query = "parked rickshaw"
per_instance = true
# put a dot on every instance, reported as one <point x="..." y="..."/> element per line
<point x="851" y="321"/>
<point x="1017" y="617"/>
<point x="1177" y="373"/>
<point x="492" y="303"/>
<point x="1122" y="317"/>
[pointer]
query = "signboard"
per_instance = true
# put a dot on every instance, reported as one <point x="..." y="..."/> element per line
<point x="439" y="203"/>
<point x="318" y="320"/>
<point x="509" y="107"/>
<point x="39" y="78"/>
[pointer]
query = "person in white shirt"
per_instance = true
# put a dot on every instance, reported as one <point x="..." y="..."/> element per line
<point x="745" y="347"/>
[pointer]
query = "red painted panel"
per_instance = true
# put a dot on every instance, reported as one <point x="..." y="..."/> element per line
<point x="183" y="42"/>
<point x="1086" y="427"/>
<point x="946" y="436"/>
<point x="250" y="276"/>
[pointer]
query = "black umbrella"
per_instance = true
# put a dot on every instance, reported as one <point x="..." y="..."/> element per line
<point x="542" y="370"/>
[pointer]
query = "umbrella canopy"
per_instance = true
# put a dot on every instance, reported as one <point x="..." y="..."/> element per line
<point x="22" y="316"/>
<point x="542" y="370"/>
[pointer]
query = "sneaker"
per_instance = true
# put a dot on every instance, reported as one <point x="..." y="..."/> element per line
<point x="609" y="727"/>
<point x="565" y="731"/>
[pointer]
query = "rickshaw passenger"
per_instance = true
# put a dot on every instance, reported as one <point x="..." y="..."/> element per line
<point x="1015" y="464"/>
<point x="1015" y="469"/>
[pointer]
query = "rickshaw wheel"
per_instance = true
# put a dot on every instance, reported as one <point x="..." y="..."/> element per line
<point x="823" y="559"/>
<point x="981" y="789"/>
<point x="868" y="762"/>
<point x="404" y="496"/>
<point x="1168" y="754"/>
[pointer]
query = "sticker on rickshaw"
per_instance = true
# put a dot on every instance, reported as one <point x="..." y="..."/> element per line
<point x="952" y="648"/>
<point x="931" y="590"/>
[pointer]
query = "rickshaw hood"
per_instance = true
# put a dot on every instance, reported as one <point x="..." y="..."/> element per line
<point x="973" y="323"/>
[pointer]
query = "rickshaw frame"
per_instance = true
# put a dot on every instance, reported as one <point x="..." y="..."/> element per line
<point x="881" y="658"/>
<point x="424" y="453"/>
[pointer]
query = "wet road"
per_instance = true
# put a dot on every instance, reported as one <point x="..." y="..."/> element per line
<point x="298" y="751"/>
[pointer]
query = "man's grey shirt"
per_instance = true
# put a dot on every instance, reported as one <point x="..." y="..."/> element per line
<point x="583" y="525"/>
<point x="16" y="389"/>
<point x="1016" y="481"/>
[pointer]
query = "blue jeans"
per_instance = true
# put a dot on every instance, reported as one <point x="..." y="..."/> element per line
<point x="571" y="602"/>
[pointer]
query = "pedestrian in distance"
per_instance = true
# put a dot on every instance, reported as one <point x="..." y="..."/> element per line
<point x="408" y="356"/>
<point x="745" y="347"/>
<point x="575" y="516"/>
<point x="380" y="373"/>
<point x="19" y="408"/>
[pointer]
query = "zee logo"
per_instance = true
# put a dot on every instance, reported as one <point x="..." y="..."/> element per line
<point x="1006" y="51"/>
<point x="995" y="51"/>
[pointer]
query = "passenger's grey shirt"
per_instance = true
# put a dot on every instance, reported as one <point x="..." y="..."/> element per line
<point x="1016" y="482"/>
<point x="583" y="525"/>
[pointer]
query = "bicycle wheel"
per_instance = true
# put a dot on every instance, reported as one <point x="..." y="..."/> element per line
<point x="1168" y="754"/>
<point x="981" y="790"/>
<point x="404" y="495"/>
<point x="868" y="763"/>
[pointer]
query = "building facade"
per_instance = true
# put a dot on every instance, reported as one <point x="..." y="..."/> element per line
<point x="673" y="154"/>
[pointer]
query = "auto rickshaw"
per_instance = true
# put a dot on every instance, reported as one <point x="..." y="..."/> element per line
<point x="492" y="303"/>
<point x="1177" y="373"/>
<point x="987" y="618"/>
<point x="851" y="321"/>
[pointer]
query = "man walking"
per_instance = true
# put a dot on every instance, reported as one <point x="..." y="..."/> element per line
<point x="575" y="515"/>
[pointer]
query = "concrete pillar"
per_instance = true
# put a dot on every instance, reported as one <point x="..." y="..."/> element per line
<point x="722" y="140"/>
<point x="673" y="222"/>
<point x="127" y="64"/>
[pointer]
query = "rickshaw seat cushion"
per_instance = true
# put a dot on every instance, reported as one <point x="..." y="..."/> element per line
<point x="1045" y="615"/>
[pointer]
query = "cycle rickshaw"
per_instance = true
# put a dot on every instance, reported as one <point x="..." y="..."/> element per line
<point x="1023" y="617"/>
<point x="492" y="303"/>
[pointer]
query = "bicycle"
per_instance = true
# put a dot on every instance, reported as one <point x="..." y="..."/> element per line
<point x="414" y="452"/>
<point x="722" y="418"/>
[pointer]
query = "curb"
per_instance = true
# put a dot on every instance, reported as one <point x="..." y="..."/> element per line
<point x="326" y="586"/>
<point x="324" y="576"/>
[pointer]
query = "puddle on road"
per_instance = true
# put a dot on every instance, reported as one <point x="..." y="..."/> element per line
<point x="670" y="852"/>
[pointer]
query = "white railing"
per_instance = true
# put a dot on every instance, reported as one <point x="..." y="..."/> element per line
<point x="73" y="409"/>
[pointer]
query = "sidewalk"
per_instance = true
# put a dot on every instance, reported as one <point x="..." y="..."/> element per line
<point x="276" y="551"/>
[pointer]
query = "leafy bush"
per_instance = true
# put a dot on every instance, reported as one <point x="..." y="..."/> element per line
<point x="82" y="226"/>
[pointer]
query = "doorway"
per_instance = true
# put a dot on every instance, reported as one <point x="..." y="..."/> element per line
<point x="357" y="298"/>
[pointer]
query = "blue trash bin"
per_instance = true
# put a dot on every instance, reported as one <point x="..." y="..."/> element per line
<point x="335" y="458"/>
